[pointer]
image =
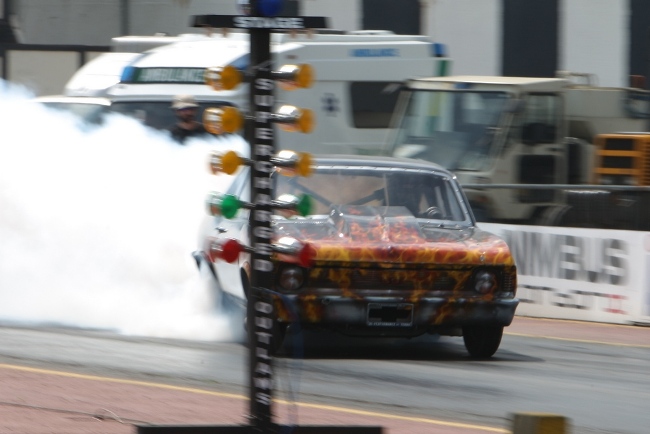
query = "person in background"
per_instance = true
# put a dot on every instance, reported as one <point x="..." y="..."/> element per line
<point x="185" y="107"/>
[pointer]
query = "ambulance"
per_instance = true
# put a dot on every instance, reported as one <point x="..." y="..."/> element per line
<point x="357" y="78"/>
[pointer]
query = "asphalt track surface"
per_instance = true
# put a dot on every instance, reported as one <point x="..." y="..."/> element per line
<point x="52" y="401"/>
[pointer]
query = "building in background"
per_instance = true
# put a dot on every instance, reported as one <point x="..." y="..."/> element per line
<point x="608" y="38"/>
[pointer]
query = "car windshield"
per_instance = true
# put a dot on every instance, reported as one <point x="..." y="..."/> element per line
<point x="422" y="193"/>
<point x="452" y="128"/>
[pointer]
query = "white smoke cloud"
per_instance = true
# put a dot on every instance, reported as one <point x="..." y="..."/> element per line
<point x="97" y="226"/>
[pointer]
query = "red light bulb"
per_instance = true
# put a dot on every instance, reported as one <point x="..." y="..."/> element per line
<point x="306" y="255"/>
<point x="230" y="250"/>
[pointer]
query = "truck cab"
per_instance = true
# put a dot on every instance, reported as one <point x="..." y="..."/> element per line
<point x="505" y="131"/>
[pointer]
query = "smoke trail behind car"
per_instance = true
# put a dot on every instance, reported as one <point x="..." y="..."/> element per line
<point x="97" y="225"/>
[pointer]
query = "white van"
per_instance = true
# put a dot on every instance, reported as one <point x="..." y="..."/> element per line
<point x="357" y="79"/>
<point x="105" y="70"/>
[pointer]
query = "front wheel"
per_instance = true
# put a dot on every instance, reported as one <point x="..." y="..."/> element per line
<point x="279" y="333"/>
<point x="279" y="330"/>
<point x="482" y="341"/>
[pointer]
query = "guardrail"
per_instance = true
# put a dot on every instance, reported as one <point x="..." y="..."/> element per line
<point x="618" y="207"/>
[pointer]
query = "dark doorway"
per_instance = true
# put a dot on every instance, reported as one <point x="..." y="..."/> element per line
<point x="290" y="8"/>
<point x="639" y="38"/>
<point x="400" y="16"/>
<point x="530" y="38"/>
<point x="7" y="35"/>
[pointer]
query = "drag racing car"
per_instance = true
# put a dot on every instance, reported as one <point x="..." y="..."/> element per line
<point x="397" y="253"/>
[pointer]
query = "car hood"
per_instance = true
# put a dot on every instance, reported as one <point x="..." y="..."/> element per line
<point x="392" y="235"/>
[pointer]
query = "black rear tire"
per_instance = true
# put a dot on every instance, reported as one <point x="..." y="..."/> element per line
<point x="223" y="303"/>
<point x="482" y="341"/>
<point x="214" y="288"/>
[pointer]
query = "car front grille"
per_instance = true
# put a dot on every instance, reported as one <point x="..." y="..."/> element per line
<point x="394" y="279"/>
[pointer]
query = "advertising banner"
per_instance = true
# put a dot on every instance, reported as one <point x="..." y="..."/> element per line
<point x="580" y="274"/>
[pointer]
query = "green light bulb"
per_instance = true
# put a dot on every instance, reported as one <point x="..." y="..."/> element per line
<point x="229" y="206"/>
<point x="304" y="206"/>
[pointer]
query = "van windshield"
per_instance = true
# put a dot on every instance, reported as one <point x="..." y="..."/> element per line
<point x="155" y="114"/>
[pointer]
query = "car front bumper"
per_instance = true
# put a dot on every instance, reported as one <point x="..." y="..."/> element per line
<point x="394" y="316"/>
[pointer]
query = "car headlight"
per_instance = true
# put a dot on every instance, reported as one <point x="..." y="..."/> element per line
<point x="291" y="278"/>
<point x="484" y="282"/>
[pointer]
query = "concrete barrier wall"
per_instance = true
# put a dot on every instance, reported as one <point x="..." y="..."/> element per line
<point x="43" y="72"/>
<point x="43" y="69"/>
<point x="580" y="274"/>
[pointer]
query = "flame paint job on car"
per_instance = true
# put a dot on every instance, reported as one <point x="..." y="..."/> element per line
<point x="369" y="237"/>
<point x="363" y="253"/>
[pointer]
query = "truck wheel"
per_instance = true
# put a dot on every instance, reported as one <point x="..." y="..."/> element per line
<point x="482" y="341"/>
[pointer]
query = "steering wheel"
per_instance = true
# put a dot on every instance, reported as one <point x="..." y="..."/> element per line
<point x="433" y="212"/>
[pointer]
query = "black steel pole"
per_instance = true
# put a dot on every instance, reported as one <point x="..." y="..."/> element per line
<point x="260" y="311"/>
<point x="646" y="85"/>
<point x="125" y="17"/>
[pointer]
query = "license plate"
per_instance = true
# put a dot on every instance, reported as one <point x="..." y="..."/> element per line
<point x="390" y="315"/>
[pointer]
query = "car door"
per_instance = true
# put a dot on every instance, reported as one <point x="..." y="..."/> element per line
<point x="237" y="227"/>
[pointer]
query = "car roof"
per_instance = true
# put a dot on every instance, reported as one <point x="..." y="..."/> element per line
<point x="380" y="161"/>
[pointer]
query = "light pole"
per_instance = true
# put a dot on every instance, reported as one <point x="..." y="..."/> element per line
<point x="259" y="18"/>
